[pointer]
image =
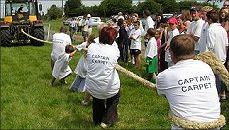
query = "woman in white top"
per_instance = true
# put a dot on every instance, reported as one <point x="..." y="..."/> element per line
<point x="60" y="40"/>
<point x="102" y="80"/>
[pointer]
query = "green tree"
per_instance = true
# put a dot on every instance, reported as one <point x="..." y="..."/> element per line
<point x="71" y="6"/>
<point x="151" y="5"/>
<point x="111" y="7"/>
<point x="168" y="6"/>
<point x="54" y="12"/>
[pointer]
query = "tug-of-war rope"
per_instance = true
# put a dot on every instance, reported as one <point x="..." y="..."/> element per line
<point x="207" y="57"/>
<point x="187" y="124"/>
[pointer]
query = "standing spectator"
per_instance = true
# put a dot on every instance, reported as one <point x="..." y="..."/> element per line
<point x="164" y="36"/>
<point x="216" y="36"/>
<point x="189" y="86"/>
<point x="224" y="20"/>
<point x="89" y="24"/>
<point x="217" y="42"/>
<point x="149" y="23"/>
<point x="184" y="21"/>
<point x="173" y="31"/>
<point x="226" y="4"/>
<point x="102" y="80"/>
<point x="151" y="54"/>
<point x="159" y="18"/>
<point x="122" y="41"/>
<point x="196" y="26"/>
<point x="85" y="25"/>
<point x="60" y="40"/>
<point x="158" y="37"/>
<point x="120" y="16"/>
<point x="73" y="27"/>
<point x="135" y="46"/>
<point x="203" y="39"/>
<point x="134" y="18"/>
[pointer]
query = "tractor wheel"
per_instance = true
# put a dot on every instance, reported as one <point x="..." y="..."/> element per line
<point x="5" y="37"/>
<point x="38" y="33"/>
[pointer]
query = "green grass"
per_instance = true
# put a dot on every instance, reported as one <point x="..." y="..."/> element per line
<point x="28" y="101"/>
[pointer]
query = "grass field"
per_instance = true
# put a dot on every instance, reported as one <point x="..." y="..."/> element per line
<point x="28" y="101"/>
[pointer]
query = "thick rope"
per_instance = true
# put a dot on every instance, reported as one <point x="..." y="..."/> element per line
<point x="217" y="66"/>
<point x="136" y="77"/>
<point x="40" y="40"/>
<point x="187" y="124"/>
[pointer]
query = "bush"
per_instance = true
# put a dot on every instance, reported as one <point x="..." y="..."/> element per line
<point x="54" y="13"/>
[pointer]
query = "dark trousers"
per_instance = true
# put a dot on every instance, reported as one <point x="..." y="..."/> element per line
<point x="105" y="110"/>
<point x="123" y="48"/>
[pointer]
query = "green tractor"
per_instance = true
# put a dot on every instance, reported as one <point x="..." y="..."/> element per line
<point x="21" y="15"/>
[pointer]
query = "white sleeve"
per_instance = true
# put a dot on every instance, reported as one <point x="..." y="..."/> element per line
<point x="210" y="40"/>
<point x="150" y="23"/>
<point x="160" y="84"/>
<point x="197" y="32"/>
<point x="136" y="34"/>
<point x="81" y="46"/>
<point x="152" y="49"/>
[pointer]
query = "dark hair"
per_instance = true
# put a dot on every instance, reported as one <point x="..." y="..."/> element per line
<point x="152" y="32"/>
<point x="195" y="9"/>
<point x="213" y="15"/>
<point x="182" y="46"/>
<point x="69" y="49"/>
<point x="63" y="29"/>
<point x="146" y="12"/>
<point x="120" y="22"/>
<point x="108" y="35"/>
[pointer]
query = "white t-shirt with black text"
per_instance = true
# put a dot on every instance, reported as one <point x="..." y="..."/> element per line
<point x="102" y="80"/>
<point x="190" y="89"/>
<point x="60" y="40"/>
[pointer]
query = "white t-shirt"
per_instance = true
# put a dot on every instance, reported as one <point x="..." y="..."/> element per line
<point x="171" y="34"/>
<point x="217" y="41"/>
<point x="73" y="23"/>
<point x="102" y="80"/>
<point x="203" y="39"/>
<point x="60" y="40"/>
<point x="151" y="49"/>
<point x="120" y="17"/>
<point x="136" y="41"/>
<point x="149" y="24"/>
<point x="81" y="68"/>
<point x="85" y="25"/>
<point x="61" y="68"/>
<point x="195" y="29"/>
<point x="190" y="89"/>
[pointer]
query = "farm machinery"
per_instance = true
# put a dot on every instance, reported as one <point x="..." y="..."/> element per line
<point x="21" y="16"/>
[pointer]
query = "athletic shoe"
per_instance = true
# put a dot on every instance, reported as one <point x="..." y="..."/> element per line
<point x="85" y="103"/>
<point x="104" y="126"/>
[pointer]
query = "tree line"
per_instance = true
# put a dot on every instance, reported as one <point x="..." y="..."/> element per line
<point x="107" y="8"/>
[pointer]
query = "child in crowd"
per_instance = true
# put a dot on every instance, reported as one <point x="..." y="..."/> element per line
<point x="151" y="54"/>
<point x="81" y="71"/>
<point x="61" y="68"/>
<point x="158" y="37"/>
<point x="135" y="46"/>
<point x="171" y="33"/>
